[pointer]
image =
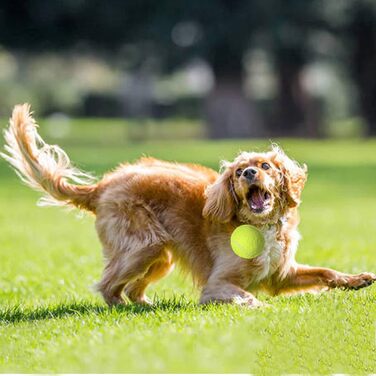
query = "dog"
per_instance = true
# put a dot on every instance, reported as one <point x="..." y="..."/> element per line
<point x="153" y="214"/>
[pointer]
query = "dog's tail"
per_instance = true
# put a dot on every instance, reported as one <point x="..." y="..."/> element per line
<point x="44" y="167"/>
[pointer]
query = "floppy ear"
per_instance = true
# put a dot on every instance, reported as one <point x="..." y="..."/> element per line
<point x="294" y="177"/>
<point x="220" y="199"/>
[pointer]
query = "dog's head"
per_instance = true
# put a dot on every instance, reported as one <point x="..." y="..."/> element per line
<point x="255" y="188"/>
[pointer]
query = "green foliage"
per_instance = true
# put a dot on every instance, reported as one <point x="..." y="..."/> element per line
<point x="50" y="321"/>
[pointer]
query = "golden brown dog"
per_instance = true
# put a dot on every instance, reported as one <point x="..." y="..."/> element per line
<point x="152" y="214"/>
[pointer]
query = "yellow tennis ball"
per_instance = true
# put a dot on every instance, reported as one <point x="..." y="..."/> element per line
<point x="247" y="241"/>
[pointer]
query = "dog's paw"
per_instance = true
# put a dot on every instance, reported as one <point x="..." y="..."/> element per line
<point x="144" y="300"/>
<point x="249" y="302"/>
<point x="113" y="301"/>
<point x="259" y="304"/>
<point x="355" y="282"/>
<point x="139" y="299"/>
<point x="361" y="280"/>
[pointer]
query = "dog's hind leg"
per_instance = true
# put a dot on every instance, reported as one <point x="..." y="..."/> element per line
<point x="110" y="294"/>
<point x="135" y="291"/>
<point x="133" y="241"/>
<point x="125" y="269"/>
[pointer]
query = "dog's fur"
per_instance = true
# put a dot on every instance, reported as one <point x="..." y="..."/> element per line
<point x="153" y="214"/>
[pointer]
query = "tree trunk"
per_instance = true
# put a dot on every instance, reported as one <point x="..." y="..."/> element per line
<point x="296" y="112"/>
<point x="229" y="113"/>
<point x="364" y="64"/>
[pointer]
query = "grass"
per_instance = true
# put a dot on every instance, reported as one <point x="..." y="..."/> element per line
<point x="51" y="321"/>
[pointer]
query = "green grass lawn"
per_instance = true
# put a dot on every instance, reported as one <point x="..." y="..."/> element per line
<point x="51" y="321"/>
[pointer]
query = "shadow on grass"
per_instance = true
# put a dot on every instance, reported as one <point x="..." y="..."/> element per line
<point x="18" y="314"/>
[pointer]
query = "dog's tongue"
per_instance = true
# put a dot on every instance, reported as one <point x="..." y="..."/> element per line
<point x="257" y="199"/>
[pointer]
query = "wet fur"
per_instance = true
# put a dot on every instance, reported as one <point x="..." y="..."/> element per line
<point x="153" y="214"/>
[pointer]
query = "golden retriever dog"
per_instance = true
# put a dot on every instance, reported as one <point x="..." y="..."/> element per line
<point x="153" y="214"/>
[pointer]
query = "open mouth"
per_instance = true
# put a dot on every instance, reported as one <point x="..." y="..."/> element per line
<point x="258" y="199"/>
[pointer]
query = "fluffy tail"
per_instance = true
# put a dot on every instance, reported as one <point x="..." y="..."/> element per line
<point x="44" y="167"/>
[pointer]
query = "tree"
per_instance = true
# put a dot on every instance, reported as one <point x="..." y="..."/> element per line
<point x="170" y="33"/>
<point x="293" y="23"/>
<point x="361" y="32"/>
<point x="218" y="31"/>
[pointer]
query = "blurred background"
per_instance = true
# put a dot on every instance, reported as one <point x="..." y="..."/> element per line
<point x="192" y="69"/>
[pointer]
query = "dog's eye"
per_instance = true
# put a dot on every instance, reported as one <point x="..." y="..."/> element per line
<point x="238" y="172"/>
<point x="265" y="166"/>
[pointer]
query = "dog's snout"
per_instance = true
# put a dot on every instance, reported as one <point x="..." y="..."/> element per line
<point x="250" y="173"/>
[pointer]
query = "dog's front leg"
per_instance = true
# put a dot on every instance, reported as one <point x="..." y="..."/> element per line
<point x="228" y="279"/>
<point x="218" y="290"/>
<point x="305" y="277"/>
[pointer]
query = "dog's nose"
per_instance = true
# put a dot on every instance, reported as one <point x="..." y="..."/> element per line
<point x="250" y="173"/>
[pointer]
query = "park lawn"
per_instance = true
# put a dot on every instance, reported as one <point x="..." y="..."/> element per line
<point x="51" y="320"/>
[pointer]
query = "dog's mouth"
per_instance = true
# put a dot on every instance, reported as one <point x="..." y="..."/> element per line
<point x="259" y="200"/>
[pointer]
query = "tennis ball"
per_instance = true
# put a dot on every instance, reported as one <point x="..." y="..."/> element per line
<point x="247" y="241"/>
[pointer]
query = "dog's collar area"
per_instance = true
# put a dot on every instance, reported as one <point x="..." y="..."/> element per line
<point x="281" y="221"/>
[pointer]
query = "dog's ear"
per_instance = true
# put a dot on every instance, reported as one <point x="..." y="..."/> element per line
<point x="220" y="202"/>
<point x="294" y="177"/>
